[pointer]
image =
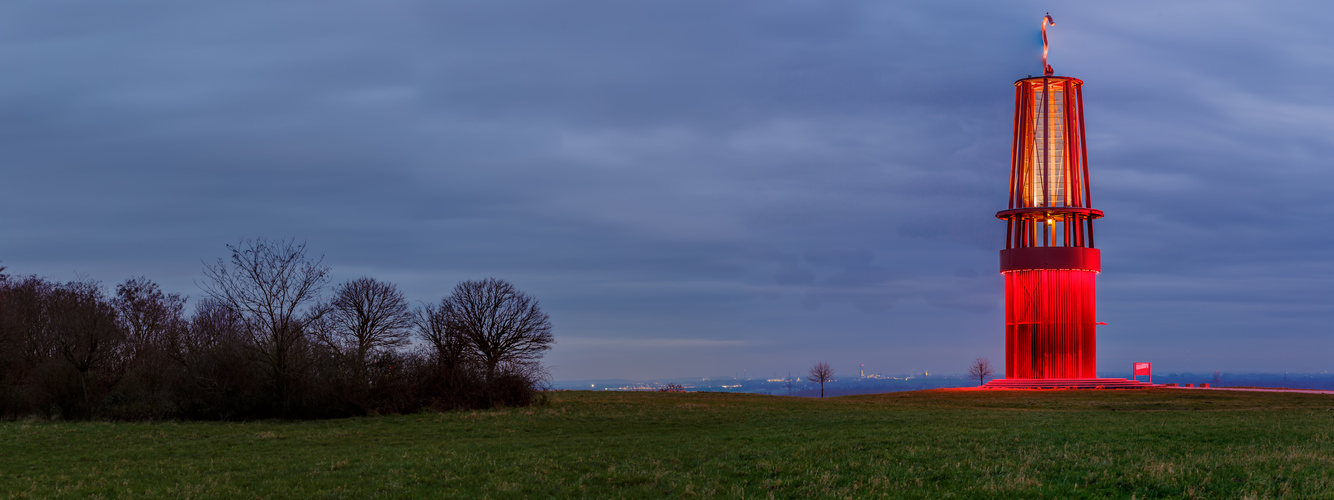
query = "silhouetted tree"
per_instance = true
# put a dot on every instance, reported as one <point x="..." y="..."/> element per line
<point x="365" y="316"/>
<point x="25" y="343"/>
<point x="502" y="324"/>
<point x="980" y="370"/>
<point x="450" y="368"/>
<point x="272" y="286"/>
<point x="85" y="334"/>
<point x="821" y="373"/>
<point x="449" y="347"/>
<point x="149" y="318"/>
<point x="151" y="322"/>
<point x="213" y="324"/>
<point x="26" y="318"/>
<point x="261" y="344"/>
<point x="222" y="379"/>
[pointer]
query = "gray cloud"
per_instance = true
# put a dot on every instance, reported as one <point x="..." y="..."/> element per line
<point x="784" y="178"/>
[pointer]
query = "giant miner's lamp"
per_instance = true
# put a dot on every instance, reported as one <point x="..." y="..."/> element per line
<point x="1049" y="261"/>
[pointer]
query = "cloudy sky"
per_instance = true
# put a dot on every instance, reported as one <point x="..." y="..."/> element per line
<point x="691" y="188"/>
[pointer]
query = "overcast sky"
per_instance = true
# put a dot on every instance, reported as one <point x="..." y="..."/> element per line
<point x="691" y="188"/>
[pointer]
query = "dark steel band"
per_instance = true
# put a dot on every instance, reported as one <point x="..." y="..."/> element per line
<point x="1076" y="258"/>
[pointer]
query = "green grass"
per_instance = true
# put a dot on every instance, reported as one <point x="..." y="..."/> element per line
<point x="965" y="444"/>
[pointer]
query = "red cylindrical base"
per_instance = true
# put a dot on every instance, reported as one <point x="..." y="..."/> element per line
<point x="1050" y="324"/>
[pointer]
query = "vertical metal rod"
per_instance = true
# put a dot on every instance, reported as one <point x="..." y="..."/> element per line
<point x="1079" y="231"/>
<point x="1066" y="144"/>
<point x="1015" y="154"/>
<point x="1088" y="200"/>
<point x="1077" y="183"/>
<point x="1025" y="165"/>
<point x="1046" y="137"/>
<point x="1091" y="233"/>
<point x="1077" y="235"/>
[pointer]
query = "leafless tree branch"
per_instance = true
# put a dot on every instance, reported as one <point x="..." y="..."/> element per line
<point x="273" y="287"/>
<point x="364" y="316"/>
<point x="821" y="373"/>
<point x="502" y="324"/>
<point x="980" y="370"/>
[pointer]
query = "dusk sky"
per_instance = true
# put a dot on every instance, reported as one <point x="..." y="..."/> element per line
<point x="692" y="188"/>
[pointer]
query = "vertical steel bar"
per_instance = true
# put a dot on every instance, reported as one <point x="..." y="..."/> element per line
<point x="1079" y="230"/>
<point x="1088" y="200"/>
<point x="1027" y="165"/>
<point x="1067" y="144"/>
<point x="1077" y="182"/>
<point x="1046" y="138"/>
<point x="1091" y="233"/>
<point x="1015" y="155"/>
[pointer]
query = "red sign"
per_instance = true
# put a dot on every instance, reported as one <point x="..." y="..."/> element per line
<point x="1141" y="369"/>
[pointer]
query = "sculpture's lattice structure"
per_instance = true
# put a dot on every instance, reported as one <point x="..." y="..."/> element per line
<point x="1049" y="260"/>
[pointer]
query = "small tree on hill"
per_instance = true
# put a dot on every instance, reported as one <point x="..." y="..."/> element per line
<point x="274" y="289"/>
<point x="149" y="319"/>
<point x="365" y="316"/>
<point x="821" y="373"/>
<point x="503" y="325"/>
<point x="980" y="370"/>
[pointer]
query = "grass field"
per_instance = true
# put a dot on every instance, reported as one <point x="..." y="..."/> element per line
<point x="966" y="444"/>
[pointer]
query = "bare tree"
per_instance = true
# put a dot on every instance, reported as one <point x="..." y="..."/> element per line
<point x="449" y="348"/>
<point x="148" y="317"/>
<point x="365" y="315"/>
<point x="980" y="370"/>
<point x="821" y="373"/>
<point x="503" y="325"/>
<point x="272" y="286"/>
<point x="83" y="326"/>
<point x="213" y="323"/>
<point x="27" y="318"/>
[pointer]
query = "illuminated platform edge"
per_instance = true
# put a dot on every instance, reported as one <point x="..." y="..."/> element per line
<point x="1068" y="383"/>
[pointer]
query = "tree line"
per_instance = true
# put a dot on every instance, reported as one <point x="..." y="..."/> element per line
<point x="265" y="341"/>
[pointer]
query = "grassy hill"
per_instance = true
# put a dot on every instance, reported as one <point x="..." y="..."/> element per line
<point x="969" y="444"/>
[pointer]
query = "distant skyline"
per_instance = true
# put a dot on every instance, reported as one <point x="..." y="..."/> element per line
<point x="692" y="188"/>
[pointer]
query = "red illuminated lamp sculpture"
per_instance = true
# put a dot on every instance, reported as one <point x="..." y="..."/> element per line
<point x="1049" y="261"/>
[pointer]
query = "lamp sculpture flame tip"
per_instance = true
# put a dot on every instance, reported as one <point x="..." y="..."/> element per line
<point x="1046" y="68"/>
